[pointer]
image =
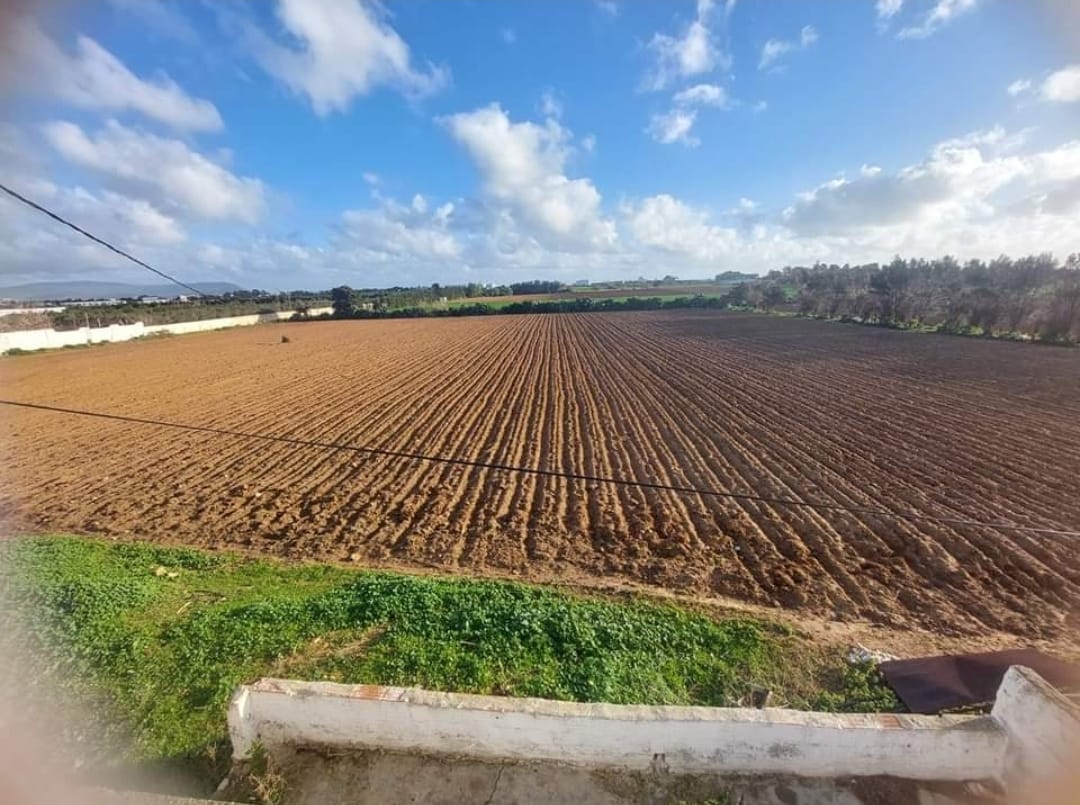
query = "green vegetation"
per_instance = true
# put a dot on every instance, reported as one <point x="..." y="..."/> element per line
<point x="346" y="307"/>
<point x="129" y="311"/>
<point x="1031" y="298"/>
<point x="162" y="636"/>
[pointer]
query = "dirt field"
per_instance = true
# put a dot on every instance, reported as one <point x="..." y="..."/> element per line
<point x="946" y="426"/>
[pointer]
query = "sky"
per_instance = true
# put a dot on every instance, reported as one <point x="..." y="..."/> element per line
<point x="311" y="143"/>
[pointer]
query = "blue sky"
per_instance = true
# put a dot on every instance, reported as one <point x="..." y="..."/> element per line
<point x="307" y="143"/>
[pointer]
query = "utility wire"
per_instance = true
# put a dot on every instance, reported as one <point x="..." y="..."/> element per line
<point x="96" y="239"/>
<point x="570" y="476"/>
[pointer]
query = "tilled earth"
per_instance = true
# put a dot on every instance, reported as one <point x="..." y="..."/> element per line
<point x="866" y="418"/>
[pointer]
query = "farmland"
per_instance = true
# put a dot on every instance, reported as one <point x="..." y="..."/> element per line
<point x="784" y="408"/>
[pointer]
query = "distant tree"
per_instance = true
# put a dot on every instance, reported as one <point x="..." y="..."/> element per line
<point x="343" y="300"/>
<point x="772" y="296"/>
<point x="536" y="287"/>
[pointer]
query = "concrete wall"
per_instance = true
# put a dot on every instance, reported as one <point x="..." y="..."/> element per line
<point x="682" y="740"/>
<point x="1043" y="730"/>
<point x="12" y="311"/>
<point x="54" y="339"/>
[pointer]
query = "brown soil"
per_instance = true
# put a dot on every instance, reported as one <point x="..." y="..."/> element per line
<point x="950" y="427"/>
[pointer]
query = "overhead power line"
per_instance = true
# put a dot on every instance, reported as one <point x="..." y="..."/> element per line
<point x="96" y="239"/>
<point x="570" y="476"/>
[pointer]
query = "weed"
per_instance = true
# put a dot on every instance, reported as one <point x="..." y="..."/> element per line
<point x="162" y="636"/>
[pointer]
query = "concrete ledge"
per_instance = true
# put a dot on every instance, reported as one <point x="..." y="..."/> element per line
<point x="682" y="740"/>
<point x="1043" y="728"/>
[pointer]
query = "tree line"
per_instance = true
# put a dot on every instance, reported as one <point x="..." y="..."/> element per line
<point x="1032" y="297"/>
<point x="345" y="306"/>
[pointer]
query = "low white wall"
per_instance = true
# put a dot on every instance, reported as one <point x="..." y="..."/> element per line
<point x="54" y="339"/>
<point x="691" y="740"/>
<point x="12" y="311"/>
<point x="1043" y="729"/>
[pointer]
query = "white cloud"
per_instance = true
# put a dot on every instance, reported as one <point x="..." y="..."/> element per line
<point x="34" y="248"/>
<point x="760" y="106"/>
<point x="887" y="9"/>
<point x="702" y="95"/>
<point x="371" y="178"/>
<point x="694" y="52"/>
<point x="663" y="222"/>
<point x="345" y="49"/>
<point x="1063" y="86"/>
<point x="550" y="106"/>
<point x="1019" y="87"/>
<point x="523" y="168"/>
<point x="674" y="127"/>
<point x="394" y="231"/>
<point x="943" y="12"/>
<point x="588" y="143"/>
<point x="773" y="49"/>
<point x="93" y="78"/>
<point x="979" y="195"/>
<point x="175" y="177"/>
<point x="973" y="196"/>
<point x="609" y="7"/>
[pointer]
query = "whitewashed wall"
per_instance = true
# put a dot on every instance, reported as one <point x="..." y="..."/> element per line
<point x="683" y="740"/>
<point x="53" y="339"/>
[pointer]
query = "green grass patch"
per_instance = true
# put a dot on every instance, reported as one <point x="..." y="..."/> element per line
<point x="160" y="637"/>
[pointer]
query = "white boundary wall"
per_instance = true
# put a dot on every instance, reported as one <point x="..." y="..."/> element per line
<point x="53" y="339"/>
<point x="683" y="740"/>
<point x="1043" y="729"/>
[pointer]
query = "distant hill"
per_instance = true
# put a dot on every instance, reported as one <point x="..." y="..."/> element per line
<point x="86" y="289"/>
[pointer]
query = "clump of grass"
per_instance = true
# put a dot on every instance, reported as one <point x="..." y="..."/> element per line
<point x="164" y="635"/>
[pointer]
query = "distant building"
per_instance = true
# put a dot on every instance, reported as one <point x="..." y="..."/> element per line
<point x="94" y="302"/>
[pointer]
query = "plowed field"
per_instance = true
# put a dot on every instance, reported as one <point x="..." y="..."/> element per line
<point x="949" y="427"/>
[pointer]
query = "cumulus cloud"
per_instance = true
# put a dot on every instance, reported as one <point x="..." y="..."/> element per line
<point x="886" y="9"/>
<point x="941" y="14"/>
<point x="774" y="49"/>
<point x="340" y="50"/>
<point x="523" y="167"/>
<point x="34" y="248"/>
<point x="1019" y="87"/>
<point x="674" y="126"/>
<point x="93" y="78"/>
<point x="394" y="231"/>
<point x="702" y="95"/>
<point x="1063" y="86"/>
<point x="167" y="171"/>
<point x="979" y="195"/>
<point x="975" y="196"/>
<point x="693" y="52"/>
<point x="550" y="105"/>
<point x="666" y="223"/>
